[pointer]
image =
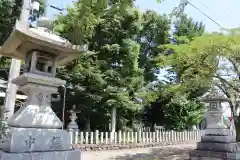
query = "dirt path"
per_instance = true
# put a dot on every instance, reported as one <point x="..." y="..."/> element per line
<point x="175" y="152"/>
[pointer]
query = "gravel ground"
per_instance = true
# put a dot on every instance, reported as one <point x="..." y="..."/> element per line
<point x="174" y="152"/>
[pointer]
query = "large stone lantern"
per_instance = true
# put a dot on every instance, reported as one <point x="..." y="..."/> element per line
<point x="34" y="132"/>
<point x="217" y="142"/>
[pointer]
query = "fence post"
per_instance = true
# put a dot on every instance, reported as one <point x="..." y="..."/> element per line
<point x="160" y="136"/>
<point x="132" y="137"/>
<point x="70" y="131"/>
<point x="154" y="137"/>
<point x="101" y="137"/>
<point x="112" y="137"/>
<point x="194" y="135"/>
<point x="86" y="137"/>
<point x="139" y="136"/>
<point x="136" y="137"/>
<point x="115" y="137"/>
<point x="174" y="136"/>
<point x="185" y="135"/>
<point x="76" y="136"/>
<point x="147" y="138"/>
<point x="120" y="137"/>
<point x="97" y="137"/>
<point x="91" y="137"/>
<point x="157" y="135"/>
<point x="177" y="135"/>
<point x="106" y="137"/>
<point x="81" y="137"/>
<point x="150" y="137"/>
<point x="128" y="137"/>
<point x="191" y="135"/>
<point x="124" y="137"/>
<point x="143" y="137"/>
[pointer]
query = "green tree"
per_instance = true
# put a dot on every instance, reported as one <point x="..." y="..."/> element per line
<point x="182" y="113"/>
<point x="119" y="35"/>
<point x="185" y="30"/>
<point x="154" y="32"/>
<point x="212" y="59"/>
<point x="112" y="38"/>
<point x="186" y="27"/>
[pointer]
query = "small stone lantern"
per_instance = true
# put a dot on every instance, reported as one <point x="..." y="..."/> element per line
<point x="73" y="125"/>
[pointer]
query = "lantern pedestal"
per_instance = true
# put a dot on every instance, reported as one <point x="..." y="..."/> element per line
<point x="33" y="132"/>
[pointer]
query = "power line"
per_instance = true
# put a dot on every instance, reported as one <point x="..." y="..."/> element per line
<point x="206" y="15"/>
<point x="224" y="12"/>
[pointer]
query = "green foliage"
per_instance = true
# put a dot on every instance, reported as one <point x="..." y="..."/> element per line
<point x="9" y="11"/>
<point x="209" y="60"/>
<point x="187" y="75"/>
<point x="150" y="37"/>
<point x="182" y="113"/>
<point x="117" y="77"/>
<point x="185" y="29"/>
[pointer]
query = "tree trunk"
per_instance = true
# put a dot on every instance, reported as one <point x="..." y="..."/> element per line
<point x="237" y="127"/>
<point x="113" y="119"/>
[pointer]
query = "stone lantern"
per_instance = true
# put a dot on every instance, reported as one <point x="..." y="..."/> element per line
<point x="73" y="125"/>
<point x="214" y="114"/>
<point x="217" y="142"/>
<point x="34" y="129"/>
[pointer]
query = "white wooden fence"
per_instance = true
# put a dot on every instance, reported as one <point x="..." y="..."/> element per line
<point x="132" y="137"/>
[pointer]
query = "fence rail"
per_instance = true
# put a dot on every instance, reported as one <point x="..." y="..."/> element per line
<point x="132" y="137"/>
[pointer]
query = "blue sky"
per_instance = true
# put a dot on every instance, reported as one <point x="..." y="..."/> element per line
<point x="225" y="12"/>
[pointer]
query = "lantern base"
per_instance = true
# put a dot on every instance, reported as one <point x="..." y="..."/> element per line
<point x="214" y="155"/>
<point x="57" y="155"/>
<point x="22" y="140"/>
<point x="217" y="144"/>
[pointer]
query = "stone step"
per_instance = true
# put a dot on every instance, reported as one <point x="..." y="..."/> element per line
<point x="22" y="140"/>
<point x="219" y="147"/>
<point x="211" y="155"/>
<point x="218" y="132"/>
<point x="220" y="139"/>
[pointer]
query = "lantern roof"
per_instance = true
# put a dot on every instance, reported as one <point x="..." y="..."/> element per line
<point x="24" y="40"/>
<point x="214" y="97"/>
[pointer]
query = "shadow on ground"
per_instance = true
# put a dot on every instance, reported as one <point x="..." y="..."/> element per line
<point x="165" y="153"/>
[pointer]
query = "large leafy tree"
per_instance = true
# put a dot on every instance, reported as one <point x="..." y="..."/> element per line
<point x="160" y="111"/>
<point x="213" y="58"/>
<point x="125" y="41"/>
<point x="109" y="78"/>
<point x="155" y="32"/>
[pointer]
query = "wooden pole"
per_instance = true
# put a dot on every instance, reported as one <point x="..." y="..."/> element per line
<point x="9" y="101"/>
